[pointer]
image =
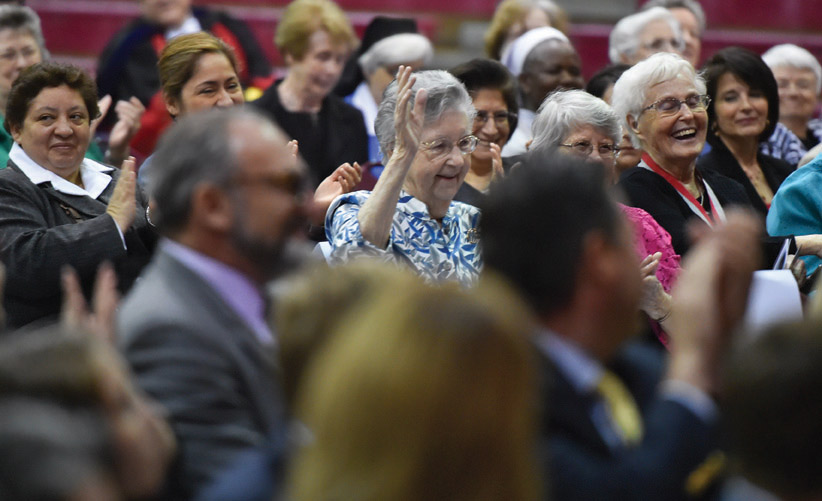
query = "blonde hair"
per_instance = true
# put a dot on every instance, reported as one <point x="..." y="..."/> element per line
<point x="511" y="12"/>
<point x="334" y="291"/>
<point x="429" y="393"/>
<point x="304" y="17"/>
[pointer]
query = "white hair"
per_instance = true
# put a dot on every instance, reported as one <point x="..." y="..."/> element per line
<point x="691" y="5"/>
<point x="630" y="90"/>
<point x="396" y="50"/>
<point x="624" y="38"/>
<point x="566" y="110"/>
<point x="445" y="93"/>
<point x="788" y="54"/>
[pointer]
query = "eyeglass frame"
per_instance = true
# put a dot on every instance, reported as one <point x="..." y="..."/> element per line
<point x="482" y="117"/>
<point x="426" y="145"/>
<point x="704" y="98"/>
<point x="614" y="149"/>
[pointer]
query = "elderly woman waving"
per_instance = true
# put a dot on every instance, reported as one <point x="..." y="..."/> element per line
<point x="424" y="128"/>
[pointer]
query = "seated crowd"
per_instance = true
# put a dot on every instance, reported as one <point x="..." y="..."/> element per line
<point x="375" y="280"/>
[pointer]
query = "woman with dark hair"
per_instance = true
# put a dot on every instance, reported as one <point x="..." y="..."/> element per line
<point x="493" y="91"/>
<point x="58" y="208"/>
<point x="743" y="112"/>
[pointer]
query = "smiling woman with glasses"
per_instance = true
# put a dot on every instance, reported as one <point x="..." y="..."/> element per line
<point x="492" y="90"/>
<point x="662" y="103"/>
<point x="573" y="122"/>
<point x="424" y="126"/>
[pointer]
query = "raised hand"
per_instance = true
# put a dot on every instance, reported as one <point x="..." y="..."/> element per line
<point x="123" y="203"/>
<point x="408" y="118"/>
<point x="129" y="114"/>
<point x="103" y="105"/>
<point x="342" y="180"/>
<point x="655" y="301"/>
<point x="496" y="163"/>
<point x="100" y="319"/>
<point x="294" y="147"/>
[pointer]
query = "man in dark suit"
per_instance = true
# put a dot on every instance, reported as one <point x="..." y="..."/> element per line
<point x="617" y="425"/>
<point x="227" y="195"/>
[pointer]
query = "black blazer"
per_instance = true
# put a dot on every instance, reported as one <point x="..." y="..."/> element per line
<point x="651" y="192"/>
<point x="721" y="160"/>
<point x="335" y="136"/>
<point x="583" y="467"/>
<point x="39" y="235"/>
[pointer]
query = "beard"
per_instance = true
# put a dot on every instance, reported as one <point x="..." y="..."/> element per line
<point x="271" y="257"/>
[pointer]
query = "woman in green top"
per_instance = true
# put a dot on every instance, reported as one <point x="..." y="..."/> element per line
<point x="21" y="45"/>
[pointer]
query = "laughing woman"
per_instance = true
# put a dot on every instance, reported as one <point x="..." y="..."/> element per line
<point x="663" y="105"/>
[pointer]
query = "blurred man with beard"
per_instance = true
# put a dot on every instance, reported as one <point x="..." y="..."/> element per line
<point x="227" y="196"/>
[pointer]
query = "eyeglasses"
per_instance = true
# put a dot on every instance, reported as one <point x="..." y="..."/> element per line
<point x="665" y="44"/>
<point x="672" y="105"/>
<point x="441" y="147"/>
<point x="292" y="182"/>
<point x="585" y="148"/>
<point x="501" y="118"/>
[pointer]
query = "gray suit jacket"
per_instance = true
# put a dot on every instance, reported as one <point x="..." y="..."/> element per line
<point x="39" y="234"/>
<point x="193" y="354"/>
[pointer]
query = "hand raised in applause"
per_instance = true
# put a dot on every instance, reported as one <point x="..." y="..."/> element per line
<point x="123" y="204"/>
<point x="408" y="118"/>
<point x="129" y="114"/>
<point x="342" y="180"/>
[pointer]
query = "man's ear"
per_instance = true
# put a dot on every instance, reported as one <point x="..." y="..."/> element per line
<point x="211" y="208"/>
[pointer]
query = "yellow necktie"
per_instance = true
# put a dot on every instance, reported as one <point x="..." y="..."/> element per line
<point x="621" y="407"/>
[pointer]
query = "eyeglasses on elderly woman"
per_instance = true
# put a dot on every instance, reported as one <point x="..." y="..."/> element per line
<point x="672" y="105"/>
<point x="585" y="148"/>
<point x="441" y="147"/>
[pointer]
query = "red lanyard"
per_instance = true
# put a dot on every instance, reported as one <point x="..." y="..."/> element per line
<point x="678" y="186"/>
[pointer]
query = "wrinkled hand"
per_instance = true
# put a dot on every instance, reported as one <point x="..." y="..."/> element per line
<point x="100" y="319"/>
<point x="408" y="119"/>
<point x="654" y="301"/>
<point x="342" y="180"/>
<point x="129" y="114"/>
<point x="123" y="203"/>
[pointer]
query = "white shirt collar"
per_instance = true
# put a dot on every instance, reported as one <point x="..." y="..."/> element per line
<point x="581" y="370"/>
<point x="93" y="174"/>
<point x="189" y="26"/>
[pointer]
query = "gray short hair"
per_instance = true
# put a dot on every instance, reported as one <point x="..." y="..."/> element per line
<point x="17" y="17"/>
<point x="197" y="149"/>
<point x="445" y="93"/>
<point x="691" y="5"/>
<point x="396" y="50"/>
<point x="566" y="110"/>
<point x="624" y="38"/>
<point x="630" y="90"/>
<point x="788" y="54"/>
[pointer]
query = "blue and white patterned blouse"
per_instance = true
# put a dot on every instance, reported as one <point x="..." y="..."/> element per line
<point x="437" y="252"/>
<point x="786" y="145"/>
